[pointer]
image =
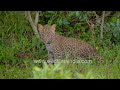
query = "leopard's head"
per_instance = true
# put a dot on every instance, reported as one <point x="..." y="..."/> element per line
<point x="47" y="33"/>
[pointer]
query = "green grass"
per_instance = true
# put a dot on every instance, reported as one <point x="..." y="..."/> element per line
<point x="16" y="36"/>
<point x="14" y="72"/>
<point x="27" y="69"/>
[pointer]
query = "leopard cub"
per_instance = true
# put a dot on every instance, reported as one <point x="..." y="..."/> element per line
<point x="58" y="46"/>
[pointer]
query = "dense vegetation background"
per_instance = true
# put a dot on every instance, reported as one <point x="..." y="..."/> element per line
<point x="19" y="47"/>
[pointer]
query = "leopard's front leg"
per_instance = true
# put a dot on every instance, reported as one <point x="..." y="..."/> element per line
<point x="50" y="54"/>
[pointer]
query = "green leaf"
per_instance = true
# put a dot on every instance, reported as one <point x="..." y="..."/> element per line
<point x="77" y="14"/>
<point x="60" y="21"/>
<point x="65" y="22"/>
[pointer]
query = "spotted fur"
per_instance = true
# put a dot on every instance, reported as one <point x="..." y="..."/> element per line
<point x="61" y="45"/>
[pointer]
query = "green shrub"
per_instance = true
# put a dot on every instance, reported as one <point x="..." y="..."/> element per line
<point x="51" y="72"/>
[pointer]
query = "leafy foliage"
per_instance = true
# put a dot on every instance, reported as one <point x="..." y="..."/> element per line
<point x="51" y="72"/>
<point x="19" y="46"/>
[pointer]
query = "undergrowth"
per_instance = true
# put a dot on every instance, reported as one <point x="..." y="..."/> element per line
<point x="19" y="47"/>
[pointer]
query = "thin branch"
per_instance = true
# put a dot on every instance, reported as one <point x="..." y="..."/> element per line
<point x="108" y="13"/>
<point x="96" y="14"/>
<point x="102" y="24"/>
<point x="36" y="18"/>
<point x="34" y="27"/>
<point x="25" y="13"/>
<point x="98" y="19"/>
<point x="91" y="25"/>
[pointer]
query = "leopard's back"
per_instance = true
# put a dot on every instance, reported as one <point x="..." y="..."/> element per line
<point x="75" y="48"/>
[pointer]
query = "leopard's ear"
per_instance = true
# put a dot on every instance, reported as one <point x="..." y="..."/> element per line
<point x="53" y="28"/>
<point x="40" y="27"/>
